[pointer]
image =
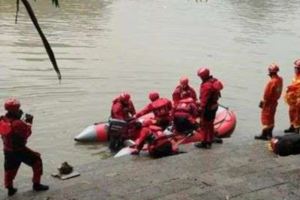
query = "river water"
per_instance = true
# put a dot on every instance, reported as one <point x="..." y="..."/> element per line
<point x="105" y="47"/>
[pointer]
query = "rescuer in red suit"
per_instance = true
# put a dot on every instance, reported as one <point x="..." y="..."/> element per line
<point x="153" y="96"/>
<point x="158" y="143"/>
<point x="161" y="108"/>
<point x="14" y="139"/>
<point x="269" y="103"/>
<point x="122" y="107"/>
<point x="183" y="90"/>
<point x="209" y="94"/>
<point x="185" y="114"/>
<point x="292" y="98"/>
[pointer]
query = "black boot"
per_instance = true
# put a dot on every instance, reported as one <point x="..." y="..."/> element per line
<point x="40" y="187"/>
<point x="263" y="135"/>
<point x="11" y="191"/>
<point x="217" y="140"/>
<point x="203" y="145"/>
<point x="270" y="133"/>
<point x="291" y="129"/>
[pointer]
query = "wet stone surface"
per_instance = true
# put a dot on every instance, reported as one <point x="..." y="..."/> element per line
<point x="227" y="171"/>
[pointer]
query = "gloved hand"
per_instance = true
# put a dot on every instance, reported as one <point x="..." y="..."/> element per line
<point x="261" y="104"/>
<point x="28" y="118"/>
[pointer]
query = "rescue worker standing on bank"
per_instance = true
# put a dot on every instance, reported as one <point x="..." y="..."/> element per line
<point x="269" y="103"/>
<point x="15" y="150"/>
<point x="161" y="108"/>
<point x="210" y="92"/>
<point x="122" y="107"/>
<point x="292" y="98"/>
<point x="183" y="90"/>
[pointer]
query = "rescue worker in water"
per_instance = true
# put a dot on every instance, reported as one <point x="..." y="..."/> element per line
<point x="15" y="149"/>
<point x="269" y="103"/>
<point x="292" y="98"/>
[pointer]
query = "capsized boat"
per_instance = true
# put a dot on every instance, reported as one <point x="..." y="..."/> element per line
<point x="224" y="125"/>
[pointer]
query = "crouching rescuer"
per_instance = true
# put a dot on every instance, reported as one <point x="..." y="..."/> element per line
<point x="158" y="144"/>
<point x="14" y="132"/>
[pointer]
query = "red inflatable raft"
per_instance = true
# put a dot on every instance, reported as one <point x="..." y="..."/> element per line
<point x="225" y="123"/>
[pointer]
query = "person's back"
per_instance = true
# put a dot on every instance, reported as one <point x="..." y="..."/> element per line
<point x="162" y="109"/>
<point x="122" y="107"/>
<point x="185" y="114"/>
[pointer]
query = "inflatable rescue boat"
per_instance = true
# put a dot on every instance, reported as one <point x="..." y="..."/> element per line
<point x="224" y="125"/>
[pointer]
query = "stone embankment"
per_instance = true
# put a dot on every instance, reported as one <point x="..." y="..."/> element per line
<point x="227" y="171"/>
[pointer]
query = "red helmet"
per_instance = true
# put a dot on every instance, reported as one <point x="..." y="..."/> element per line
<point x="124" y="96"/>
<point x="153" y="96"/>
<point x="297" y="63"/>
<point x="203" y="73"/>
<point x="12" y="104"/>
<point x="184" y="81"/>
<point x="273" y="68"/>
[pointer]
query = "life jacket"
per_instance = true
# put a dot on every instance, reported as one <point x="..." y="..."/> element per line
<point x="124" y="111"/>
<point x="161" y="107"/>
<point x="186" y="93"/>
<point x="5" y="126"/>
<point x="14" y="133"/>
<point x="217" y="86"/>
<point x="185" y="108"/>
<point x="292" y="95"/>
<point x="157" y="140"/>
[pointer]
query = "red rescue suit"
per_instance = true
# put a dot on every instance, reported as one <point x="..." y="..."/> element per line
<point x="122" y="110"/>
<point x="158" y="144"/>
<point x="209" y="95"/>
<point x="185" y="114"/>
<point x="182" y="93"/>
<point x="272" y="93"/>
<point x="161" y="109"/>
<point x="16" y="152"/>
<point x="292" y="97"/>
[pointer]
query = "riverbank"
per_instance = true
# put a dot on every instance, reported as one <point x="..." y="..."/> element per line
<point x="227" y="171"/>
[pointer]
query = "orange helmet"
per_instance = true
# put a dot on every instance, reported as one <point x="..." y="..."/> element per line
<point x="203" y="73"/>
<point x="273" y="68"/>
<point x="184" y="81"/>
<point x="12" y="104"/>
<point x="297" y="63"/>
<point x="124" y="96"/>
<point x="153" y="96"/>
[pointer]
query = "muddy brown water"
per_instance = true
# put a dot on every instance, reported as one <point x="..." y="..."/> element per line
<point x="105" y="47"/>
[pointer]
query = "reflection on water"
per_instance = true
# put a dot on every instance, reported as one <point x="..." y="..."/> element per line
<point x="105" y="47"/>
